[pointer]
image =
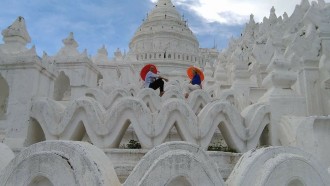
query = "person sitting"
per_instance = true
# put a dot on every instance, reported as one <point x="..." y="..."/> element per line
<point x="154" y="81"/>
<point x="194" y="84"/>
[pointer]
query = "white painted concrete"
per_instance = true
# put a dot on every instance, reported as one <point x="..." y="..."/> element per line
<point x="270" y="87"/>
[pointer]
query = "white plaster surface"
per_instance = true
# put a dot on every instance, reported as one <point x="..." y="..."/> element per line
<point x="269" y="87"/>
<point x="278" y="166"/>
<point x="169" y="161"/>
<point x="60" y="163"/>
<point x="6" y="156"/>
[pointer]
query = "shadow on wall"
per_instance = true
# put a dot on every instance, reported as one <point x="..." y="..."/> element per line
<point x="180" y="180"/>
<point x="62" y="89"/>
<point x="4" y="95"/>
<point x="40" y="180"/>
<point x="35" y="133"/>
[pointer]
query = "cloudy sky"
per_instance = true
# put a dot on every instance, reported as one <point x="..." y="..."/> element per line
<point x="113" y="22"/>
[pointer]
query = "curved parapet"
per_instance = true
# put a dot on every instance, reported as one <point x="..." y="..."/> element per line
<point x="105" y="128"/>
<point x="173" y="93"/>
<point x="175" y="112"/>
<point x="198" y="99"/>
<point x="150" y="98"/>
<point x="48" y="113"/>
<point x="60" y="163"/>
<point x="6" y="156"/>
<point x="59" y="122"/>
<point x="96" y="93"/>
<point x="129" y="111"/>
<point x="114" y="96"/>
<point x="229" y="95"/>
<point x="293" y="166"/>
<point x="169" y="87"/>
<point x="213" y="91"/>
<point x="172" y="83"/>
<point x="132" y="89"/>
<point x="175" y="163"/>
<point x="241" y="131"/>
<point x="107" y="100"/>
<point x="308" y="133"/>
<point x="85" y="119"/>
<point x="257" y="117"/>
<point x="224" y="116"/>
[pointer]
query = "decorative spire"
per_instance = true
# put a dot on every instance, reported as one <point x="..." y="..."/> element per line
<point x="164" y="3"/>
<point x="305" y="5"/>
<point x="16" y="33"/>
<point x="279" y="75"/>
<point x="70" y="46"/>
<point x="69" y="41"/>
<point x="165" y="7"/>
<point x="272" y="15"/>
<point x="101" y="56"/>
<point x="103" y="51"/>
<point x="252" y="19"/>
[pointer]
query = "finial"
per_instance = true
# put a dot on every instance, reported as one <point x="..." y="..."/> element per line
<point x="69" y="41"/>
<point x="17" y="32"/>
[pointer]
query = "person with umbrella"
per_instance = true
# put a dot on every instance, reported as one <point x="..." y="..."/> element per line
<point x="196" y="76"/>
<point x="152" y="79"/>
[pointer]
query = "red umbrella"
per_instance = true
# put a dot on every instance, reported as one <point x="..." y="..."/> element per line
<point x="191" y="74"/>
<point x="146" y="69"/>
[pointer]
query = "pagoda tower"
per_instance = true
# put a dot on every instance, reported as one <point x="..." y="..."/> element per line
<point x="164" y="39"/>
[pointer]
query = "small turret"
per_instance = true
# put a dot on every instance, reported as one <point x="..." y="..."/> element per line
<point x="15" y="37"/>
<point x="70" y="47"/>
<point x="118" y="55"/>
<point x="16" y="33"/>
<point x="101" y="56"/>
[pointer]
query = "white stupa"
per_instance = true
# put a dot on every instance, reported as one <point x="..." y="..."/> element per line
<point x="261" y="118"/>
<point x="165" y="39"/>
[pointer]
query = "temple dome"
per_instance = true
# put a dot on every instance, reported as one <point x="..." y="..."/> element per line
<point x="164" y="32"/>
<point x="165" y="6"/>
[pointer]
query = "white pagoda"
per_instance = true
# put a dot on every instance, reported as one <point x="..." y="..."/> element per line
<point x="262" y="117"/>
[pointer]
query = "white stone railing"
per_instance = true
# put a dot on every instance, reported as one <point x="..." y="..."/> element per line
<point x="173" y="163"/>
<point x="106" y="127"/>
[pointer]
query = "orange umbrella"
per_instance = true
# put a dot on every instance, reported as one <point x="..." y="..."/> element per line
<point x="146" y="69"/>
<point x="190" y="72"/>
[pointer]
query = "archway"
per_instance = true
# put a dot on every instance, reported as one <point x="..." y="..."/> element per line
<point x="179" y="181"/>
<point x="264" y="139"/>
<point x="218" y="140"/>
<point x="62" y="88"/>
<point x="80" y="133"/>
<point x="186" y="164"/>
<point x="60" y="163"/>
<point x="296" y="182"/>
<point x="174" y="134"/>
<point x="35" y="133"/>
<point x="99" y="80"/>
<point x="127" y="137"/>
<point x="40" y="181"/>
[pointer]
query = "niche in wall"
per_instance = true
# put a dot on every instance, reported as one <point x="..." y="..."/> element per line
<point x="62" y="88"/>
<point x="4" y="95"/>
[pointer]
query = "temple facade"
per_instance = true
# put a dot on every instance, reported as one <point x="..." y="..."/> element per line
<point x="262" y="117"/>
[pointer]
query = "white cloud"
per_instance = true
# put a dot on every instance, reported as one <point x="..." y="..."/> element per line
<point x="232" y="12"/>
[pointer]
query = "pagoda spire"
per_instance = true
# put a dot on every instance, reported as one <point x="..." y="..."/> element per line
<point x="17" y="32"/>
<point x="164" y="2"/>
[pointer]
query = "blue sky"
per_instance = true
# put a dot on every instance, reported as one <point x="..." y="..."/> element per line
<point x="114" y="22"/>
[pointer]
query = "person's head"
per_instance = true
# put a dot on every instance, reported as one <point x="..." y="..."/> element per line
<point x="152" y="68"/>
<point x="194" y="71"/>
